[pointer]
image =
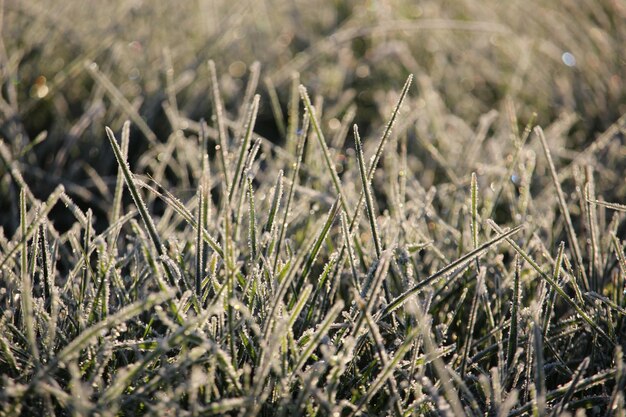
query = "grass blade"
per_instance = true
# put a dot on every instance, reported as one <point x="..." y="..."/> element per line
<point x="443" y="272"/>
<point x="569" y="227"/>
<point x="551" y="296"/>
<point x="218" y="111"/>
<point x="324" y="147"/>
<point x="139" y="203"/>
<point x="26" y="287"/>
<point x="369" y="201"/>
<point x="245" y="142"/>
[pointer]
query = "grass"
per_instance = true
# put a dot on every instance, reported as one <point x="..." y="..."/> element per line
<point x="418" y="211"/>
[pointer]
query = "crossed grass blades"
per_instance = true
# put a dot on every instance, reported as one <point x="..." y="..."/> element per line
<point x="311" y="280"/>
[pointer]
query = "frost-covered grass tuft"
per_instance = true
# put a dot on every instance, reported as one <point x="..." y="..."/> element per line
<point x="347" y="238"/>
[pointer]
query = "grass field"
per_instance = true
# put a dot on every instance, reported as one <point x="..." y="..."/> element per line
<point x="312" y="208"/>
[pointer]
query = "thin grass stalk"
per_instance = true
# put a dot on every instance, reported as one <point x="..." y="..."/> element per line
<point x="119" y="182"/>
<point x="247" y="172"/>
<point x="277" y="111"/>
<point x="518" y="152"/>
<point x="294" y="179"/>
<point x="46" y="268"/>
<point x="117" y="97"/>
<point x="276" y="197"/>
<point x="229" y="260"/>
<point x="381" y="146"/>
<point x="293" y="115"/>
<point x="141" y="206"/>
<point x="218" y="111"/>
<point x="373" y="290"/>
<point x="182" y="211"/>
<point x="388" y="367"/>
<point x="620" y="384"/>
<point x="551" y="293"/>
<point x="540" y="376"/>
<point x="199" y="242"/>
<point x="612" y="206"/>
<point x="332" y="213"/>
<point x="469" y="331"/>
<point x="621" y="259"/>
<point x="569" y="227"/>
<point x="440" y="369"/>
<point x="146" y="218"/>
<point x="26" y="287"/>
<point x="347" y="236"/>
<point x="373" y="165"/>
<point x="339" y="139"/>
<point x="87" y="271"/>
<point x="40" y="217"/>
<point x="369" y="201"/>
<point x="252" y="230"/>
<point x="592" y="224"/>
<point x="245" y="142"/>
<point x="474" y="208"/>
<point x="324" y="147"/>
<point x="251" y="87"/>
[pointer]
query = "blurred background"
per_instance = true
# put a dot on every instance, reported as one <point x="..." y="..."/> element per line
<point x="71" y="67"/>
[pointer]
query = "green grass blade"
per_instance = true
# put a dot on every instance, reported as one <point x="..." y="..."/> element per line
<point x="252" y="230"/>
<point x="139" y="203"/>
<point x="369" y="201"/>
<point x="119" y="183"/>
<point x="26" y="285"/>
